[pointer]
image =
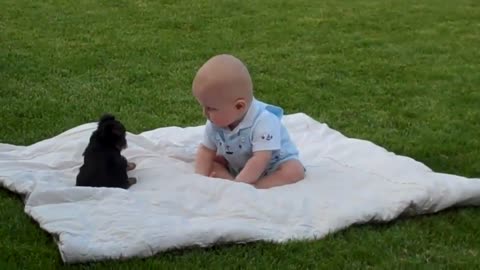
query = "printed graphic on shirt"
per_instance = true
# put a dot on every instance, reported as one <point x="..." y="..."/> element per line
<point x="228" y="150"/>
<point x="267" y="137"/>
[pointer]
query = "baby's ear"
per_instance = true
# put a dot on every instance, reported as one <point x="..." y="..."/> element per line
<point x="240" y="104"/>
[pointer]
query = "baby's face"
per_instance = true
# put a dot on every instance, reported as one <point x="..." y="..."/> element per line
<point x="220" y="112"/>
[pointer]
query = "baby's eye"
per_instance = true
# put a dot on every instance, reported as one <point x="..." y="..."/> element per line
<point x="211" y="109"/>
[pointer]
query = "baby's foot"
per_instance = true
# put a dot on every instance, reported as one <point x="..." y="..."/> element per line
<point x="222" y="175"/>
<point x="221" y="160"/>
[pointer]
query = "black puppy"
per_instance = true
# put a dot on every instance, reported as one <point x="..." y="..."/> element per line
<point x="103" y="165"/>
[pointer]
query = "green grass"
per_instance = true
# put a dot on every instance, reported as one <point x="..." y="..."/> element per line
<point x="403" y="74"/>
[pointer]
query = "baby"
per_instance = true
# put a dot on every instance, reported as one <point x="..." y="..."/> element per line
<point x="244" y="138"/>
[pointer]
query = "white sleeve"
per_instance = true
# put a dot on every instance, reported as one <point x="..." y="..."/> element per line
<point x="266" y="133"/>
<point x="208" y="137"/>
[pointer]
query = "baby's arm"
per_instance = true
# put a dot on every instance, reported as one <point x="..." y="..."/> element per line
<point x="204" y="160"/>
<point x="266" y="138"/>
<point x="255" y="166"/>
<point x="206" y="153"/>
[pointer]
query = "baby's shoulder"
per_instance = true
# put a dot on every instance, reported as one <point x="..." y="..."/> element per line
<point x="267" y="119"/>
<point x="267" y="115"/>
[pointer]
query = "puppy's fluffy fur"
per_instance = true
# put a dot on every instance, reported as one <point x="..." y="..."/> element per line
<point x="103" y="164"/>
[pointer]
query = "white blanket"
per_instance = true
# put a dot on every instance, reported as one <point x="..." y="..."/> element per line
<point x="349" y="181"/>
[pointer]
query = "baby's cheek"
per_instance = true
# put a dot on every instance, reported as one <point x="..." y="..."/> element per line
<point x="215" y="118"/>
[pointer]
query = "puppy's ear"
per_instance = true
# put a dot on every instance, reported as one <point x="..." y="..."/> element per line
<point x="106" y="117"/>
<point x="104" y="130"/>
<point x="105" y="126"/>
<point x="118" y="130"/>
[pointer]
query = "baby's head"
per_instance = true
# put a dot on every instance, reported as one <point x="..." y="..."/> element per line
<point x="224" y="89"/>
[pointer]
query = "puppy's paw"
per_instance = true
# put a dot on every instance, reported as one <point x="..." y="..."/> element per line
<point x="131" y="166"/>
<point x="132" y="181"/>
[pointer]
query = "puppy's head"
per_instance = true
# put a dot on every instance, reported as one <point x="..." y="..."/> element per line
<point x="112" y="132"/>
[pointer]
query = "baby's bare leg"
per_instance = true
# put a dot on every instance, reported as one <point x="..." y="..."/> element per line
<point x="220" y="171"/>
<point x="289" y="172"/>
